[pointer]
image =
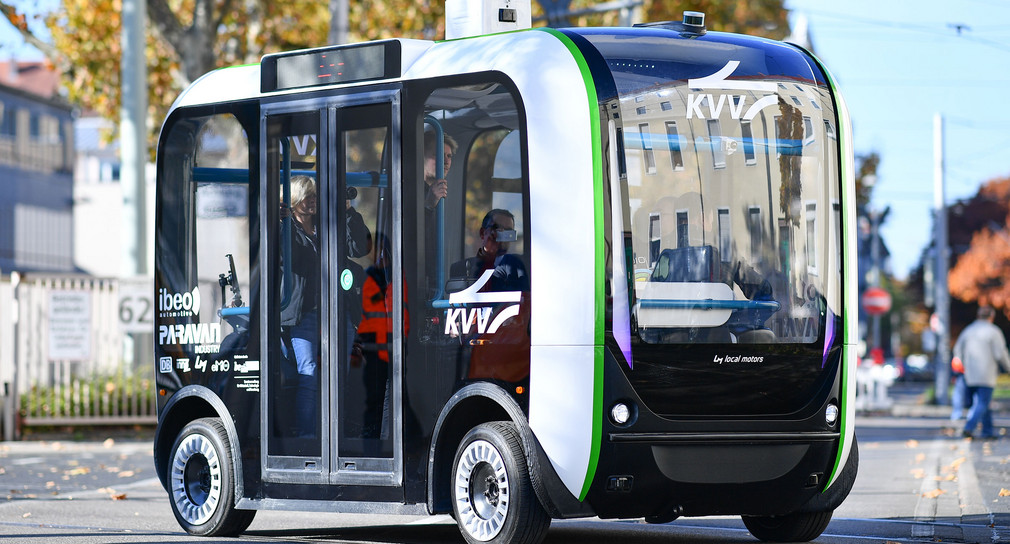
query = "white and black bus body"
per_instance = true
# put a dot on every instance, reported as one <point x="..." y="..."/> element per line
<point x="672" y="334"/>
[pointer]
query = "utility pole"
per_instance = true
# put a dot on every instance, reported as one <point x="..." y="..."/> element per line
<point x="133" y="139"/>
<point x="133" y="157"/>
<point x="338" y="22"/>
<point x="942" y="297"/>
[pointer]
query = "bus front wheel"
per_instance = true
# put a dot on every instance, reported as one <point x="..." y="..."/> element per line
<point x="201" y="478"/>
<point x="797" y="527"/>
<point x="492" y="495"/>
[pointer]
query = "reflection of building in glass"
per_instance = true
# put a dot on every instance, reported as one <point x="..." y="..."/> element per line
<point x="36" y="170"/>
<point x="741" y="172"/>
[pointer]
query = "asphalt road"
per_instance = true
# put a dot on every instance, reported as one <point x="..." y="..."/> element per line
<point x="918" y="482"/>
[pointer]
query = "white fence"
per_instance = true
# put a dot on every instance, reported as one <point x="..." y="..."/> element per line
<point x="68" y="355"/>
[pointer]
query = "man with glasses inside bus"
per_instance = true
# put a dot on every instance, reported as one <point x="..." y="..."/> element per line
<point x="502" y="354"/>
<point x="496" y="231"/>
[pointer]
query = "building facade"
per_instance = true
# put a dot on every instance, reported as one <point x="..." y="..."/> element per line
<point x="36" y="171"/>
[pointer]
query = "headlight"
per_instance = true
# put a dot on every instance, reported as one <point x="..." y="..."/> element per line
<point x="620" y="413"/>
<point x="831" y="414"/>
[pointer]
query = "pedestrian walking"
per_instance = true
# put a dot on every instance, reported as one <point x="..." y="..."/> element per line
<point x="981" y="347"/>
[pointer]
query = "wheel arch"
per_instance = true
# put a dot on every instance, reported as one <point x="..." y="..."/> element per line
<point x="188" y="404"/>
<point x="472" y="405"/>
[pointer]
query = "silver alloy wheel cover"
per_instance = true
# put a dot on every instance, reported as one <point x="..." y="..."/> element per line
<point x="195" y="514"/>
<point x="478" y="527"/>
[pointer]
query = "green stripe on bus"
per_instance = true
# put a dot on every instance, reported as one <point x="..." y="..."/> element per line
<point x="600" y="270"/>
<point x="848" y="268"/>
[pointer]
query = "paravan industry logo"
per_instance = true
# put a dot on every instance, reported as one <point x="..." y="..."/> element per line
<point x="178" y="304"/>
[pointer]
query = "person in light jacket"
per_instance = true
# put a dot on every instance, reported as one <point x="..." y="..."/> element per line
<point x="981" y="348"/>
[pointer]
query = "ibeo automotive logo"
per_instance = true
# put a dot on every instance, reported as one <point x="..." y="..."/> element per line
<point x="178" y="304"/>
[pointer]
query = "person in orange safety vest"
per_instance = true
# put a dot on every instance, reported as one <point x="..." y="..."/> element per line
<point x="375" y="334"/>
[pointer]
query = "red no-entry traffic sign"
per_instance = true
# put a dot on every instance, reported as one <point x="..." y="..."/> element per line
<point x="876" y="301"/>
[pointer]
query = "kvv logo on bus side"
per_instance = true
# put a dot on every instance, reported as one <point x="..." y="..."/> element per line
<point x="462" y="319"/>
<point x="735" y="102"/>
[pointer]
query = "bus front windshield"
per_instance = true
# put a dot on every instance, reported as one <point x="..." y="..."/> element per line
<point x="731" y="199"/>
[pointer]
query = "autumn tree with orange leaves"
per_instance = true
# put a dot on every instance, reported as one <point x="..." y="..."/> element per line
<point x="187" y="38"/>
<point x="981" y="273"/>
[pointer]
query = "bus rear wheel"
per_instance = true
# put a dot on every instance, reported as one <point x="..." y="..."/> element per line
<point x="202" y="481"/>
<point x="797" y="527"/>
<point x="493" y="497"/>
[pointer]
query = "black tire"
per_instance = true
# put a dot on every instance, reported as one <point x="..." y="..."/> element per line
<point x="201" y="476"/>
<point x="797" y="527"/>
<point x="492" y="496"/>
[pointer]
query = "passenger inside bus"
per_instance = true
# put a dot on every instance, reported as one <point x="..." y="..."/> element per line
<point x="437" y="188"/>
<point x="496" y="231"/>
<point x="375" y="337"/>
<point x="501" y="353"/>
<point x="359" y="244"/>
<point x="300" y="319"/>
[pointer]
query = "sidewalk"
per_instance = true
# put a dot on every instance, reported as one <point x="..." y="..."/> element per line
<point x="916" y="467"/>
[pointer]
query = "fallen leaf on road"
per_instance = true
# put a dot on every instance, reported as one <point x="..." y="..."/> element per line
<point x="933" y="494"/>
<point x="26" y="514"/>
<point x="918" y="473"/>
<point x="1003" y="492"/>
<point x="126" y="474"/>
<point x="920" y="457"/>
<point x="108" y="443"/>
<point x="912" y="444"/>
<point x="119" y="497"/>
<point x="77" y="471"/>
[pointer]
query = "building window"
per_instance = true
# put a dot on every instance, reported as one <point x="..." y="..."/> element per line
<point x="673" y="139"/>
<point x="683" y="238"/>
<point x="724" y="235"/>
<point x="650" y="155"/>
<point x="754" y="226"/>
<point x="746" y="131"/>
<point x="7" y="124"/>
<point x="715" y="137"/>
<point x="829" y="130"/>
<point x="655" y="238"/>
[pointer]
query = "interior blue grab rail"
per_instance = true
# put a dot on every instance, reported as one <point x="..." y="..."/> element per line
<point x="206" y="174"/>
<point x="708" y="304"/>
